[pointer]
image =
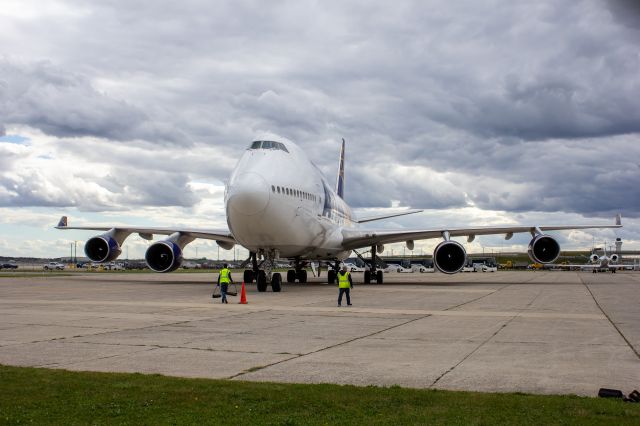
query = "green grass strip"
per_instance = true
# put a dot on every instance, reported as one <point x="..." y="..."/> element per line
<point x="44" y="396"/>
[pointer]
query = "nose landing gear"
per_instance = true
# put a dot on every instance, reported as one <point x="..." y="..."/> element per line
<point x="263" y="276"/>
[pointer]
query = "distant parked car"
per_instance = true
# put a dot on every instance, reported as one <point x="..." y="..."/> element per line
<point x="9" y="265"/>
<point x="354" y="268"/>
<point x="468" y="268"/>
<point x="421" y="268"/>
<point x="489" y="268"/>
<point x="113" y="266"/>
<point x="54" y="266"/>
<point x="394" y="267"/>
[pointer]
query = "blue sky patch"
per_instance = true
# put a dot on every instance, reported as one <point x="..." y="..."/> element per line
<point x="14" y="139"/>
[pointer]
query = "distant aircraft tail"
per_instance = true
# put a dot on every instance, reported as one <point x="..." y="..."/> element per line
<point x="340" y="181"/>
<point x="62" y="223"/>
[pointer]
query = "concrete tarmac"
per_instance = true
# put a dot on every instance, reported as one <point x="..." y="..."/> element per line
<point x="547" y="332"/>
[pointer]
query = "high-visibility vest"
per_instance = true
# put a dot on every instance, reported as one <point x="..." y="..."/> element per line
<point x="225" y="276"/>
<point x="343" y="280"/>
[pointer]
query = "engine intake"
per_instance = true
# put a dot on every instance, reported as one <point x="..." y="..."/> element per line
<point x="164" y="256"/>
<point x="543" y="249"/>
<point x="449" y="257"/>
<point x="614" y="258"/>
<point x="102" y="248"/>
<point x="593" y="258"/>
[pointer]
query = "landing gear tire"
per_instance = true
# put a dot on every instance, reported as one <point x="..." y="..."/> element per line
<point x="379" y="277"/>
<point x="291" y="276"/>
<point x="331" y="276"/>
<point x="302" y="275"/>
<point x="367" y="277"/>
<point x="248" y="276"/>
<point x="276" y="282"/>
<point x="261" y="281"/>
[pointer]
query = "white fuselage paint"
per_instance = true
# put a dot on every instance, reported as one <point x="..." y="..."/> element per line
<point x="278" y="200"/>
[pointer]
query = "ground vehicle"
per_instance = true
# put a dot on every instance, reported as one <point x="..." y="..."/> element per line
<point x="53" y="266"/>
<point x="354" y="268"/>
<point x="113" y="266"/>
<point x="421" y="268"/>
<point x="394" y="267"/>
<point x="489" y="268"/>
<point x="9" y="265"/>
<point x="468" y="268"/>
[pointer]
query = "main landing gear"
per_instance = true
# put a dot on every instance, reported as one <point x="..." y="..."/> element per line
<point x="373" y="274"/>
<point x="264" y="276"/>
<point x="299" y="273"/>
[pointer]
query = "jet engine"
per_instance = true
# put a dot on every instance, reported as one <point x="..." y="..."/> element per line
<point x="102" y="248"/>
<point x="593" y="258"/>
<point x="164" y="256"/>
<point x="543" y="249"/>
<point x="449" y="257"/>
<point x="614" y="258"/>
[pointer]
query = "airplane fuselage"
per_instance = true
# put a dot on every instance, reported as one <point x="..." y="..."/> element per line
<point x="277" y="199"/>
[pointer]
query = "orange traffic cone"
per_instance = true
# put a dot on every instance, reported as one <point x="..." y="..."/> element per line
<point x="243" y="295"/>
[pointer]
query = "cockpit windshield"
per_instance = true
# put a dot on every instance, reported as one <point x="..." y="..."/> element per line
<point x="268" y="145"/>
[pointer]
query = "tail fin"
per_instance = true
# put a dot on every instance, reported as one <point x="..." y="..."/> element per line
<point x="340" y="181"/>
<point x="62" y="223"/>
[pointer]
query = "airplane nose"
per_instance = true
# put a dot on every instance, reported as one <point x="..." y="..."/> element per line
<point x="248" y="194"/>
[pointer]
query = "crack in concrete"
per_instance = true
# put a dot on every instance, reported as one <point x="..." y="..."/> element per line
<point x="156" y="346"/>
<point x="94" y="359"/>
<point x="482" y="344"/>
<point x="615" y="326"/>
<point x="254" y="369"/>
<point x="477" y="298"/>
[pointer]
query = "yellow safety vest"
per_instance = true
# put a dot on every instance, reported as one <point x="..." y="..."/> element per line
<point x="343" y="280"/>
<point x="225" y="275"/>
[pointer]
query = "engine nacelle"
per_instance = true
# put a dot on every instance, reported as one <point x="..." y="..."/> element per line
<point x="593" y="258"/>
<point x="614" y="258"/>
<point x="225" y="245"/>
<point x="449" y="257"/>
<point x="103" y="248"/>
<point x="543" y="249"/>
<point x="164" y="256"/>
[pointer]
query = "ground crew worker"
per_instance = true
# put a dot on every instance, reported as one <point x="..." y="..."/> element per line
<point x="344" y="285"/>
<point x="224" y="278"/>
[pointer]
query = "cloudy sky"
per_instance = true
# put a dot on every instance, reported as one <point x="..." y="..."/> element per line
<point x="135" y="112"/>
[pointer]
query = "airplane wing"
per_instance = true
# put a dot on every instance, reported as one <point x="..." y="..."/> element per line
<point x="222" y="235"/>
<point x="354" y="239"/>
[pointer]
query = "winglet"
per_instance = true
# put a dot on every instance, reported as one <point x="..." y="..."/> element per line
<point x="62" y="223"/>
<point x="340" y="182"/>
<point x="619" y="219"/>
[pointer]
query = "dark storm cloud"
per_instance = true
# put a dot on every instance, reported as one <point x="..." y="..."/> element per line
<point x="509" y="105"/>
<point x="63" y="104"/>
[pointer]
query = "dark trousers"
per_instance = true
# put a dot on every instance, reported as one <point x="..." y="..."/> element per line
<point x="223" y="292"/>
<point x="344" y="291"/>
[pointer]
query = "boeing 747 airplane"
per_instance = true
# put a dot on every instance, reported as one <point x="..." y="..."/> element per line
<point x="280" y="206"/>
